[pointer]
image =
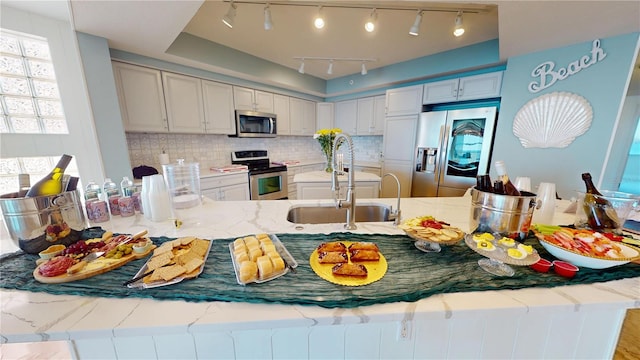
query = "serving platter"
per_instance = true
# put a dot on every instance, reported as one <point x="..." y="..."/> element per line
<point x="429" y="239"/>
<point x="290" y="262"/>
<point x="500" y="252"/>
<point x="375" y="270"/>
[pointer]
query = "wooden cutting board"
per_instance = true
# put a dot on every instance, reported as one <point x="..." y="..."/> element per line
<point x="96" y="267"/>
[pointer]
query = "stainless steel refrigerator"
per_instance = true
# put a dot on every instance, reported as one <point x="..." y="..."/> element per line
<point x="452" y="148"/>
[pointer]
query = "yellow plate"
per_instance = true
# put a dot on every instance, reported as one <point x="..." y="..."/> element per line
<point x="375" y="270"/>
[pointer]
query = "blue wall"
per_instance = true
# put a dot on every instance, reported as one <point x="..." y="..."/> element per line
<point x="603" y="85"/>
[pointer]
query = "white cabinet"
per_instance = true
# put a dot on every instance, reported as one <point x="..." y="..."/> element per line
<point x="218" y="108"/>
<point x="325" y="115"/>
<point x="368" y="169"/>
<point x="481" y="86"/>
<point x="281" y="109"/>
<point x="370" y="119"/>
<point x="250" y="99"/>
<point x="183" y="98"/>
<point x="231" y="187"/>
<point x="302" y="116"/>
<point x="322" y="190"/>
<point x="141" y="98"/>
<point x="404" y="101"/>
<point x="346" y="116"/>
<point x="398" y="151"/>
<point x="291" y="173"/>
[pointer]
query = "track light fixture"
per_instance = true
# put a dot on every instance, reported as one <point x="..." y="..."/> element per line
<point x="415" y="28"/>
<point x="268" y="24"/>
<point x="364" y="69"/>
<point x="370" y="25"/>
<point x="319" y="21"/>
<point x="301" y="68"/>
<point x="231" y="14"/>
<point x="330" y="69"/>
<point x="458" y="30"/>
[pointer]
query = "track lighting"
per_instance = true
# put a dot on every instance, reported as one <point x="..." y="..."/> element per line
<point x="231" y="14"/>
<point x="332" y="60"/>
<point x="319" y="21"/>
<point x="458" y="30"/>
<point x="301" y="68"/>
<point x="370" y="25"/>
<point x="330" y="69"/>
<point x="364" y="69"/>
<point x="267" y="18"/>
<point x="415" y="28"/>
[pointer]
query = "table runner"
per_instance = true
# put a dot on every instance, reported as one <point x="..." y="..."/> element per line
<point x="412" y="275"/>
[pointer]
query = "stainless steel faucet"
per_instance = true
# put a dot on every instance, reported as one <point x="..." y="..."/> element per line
<point x="349" y="202"/>
<point x="395" y="214"/>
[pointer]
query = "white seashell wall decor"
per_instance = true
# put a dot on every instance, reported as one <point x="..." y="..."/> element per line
<point x="552" y="120"/>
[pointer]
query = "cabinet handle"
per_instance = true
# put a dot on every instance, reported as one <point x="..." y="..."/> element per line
<point x="460" y="91"/>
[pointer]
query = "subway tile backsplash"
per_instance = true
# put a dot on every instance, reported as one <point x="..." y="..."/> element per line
<point x="209" y="150"/>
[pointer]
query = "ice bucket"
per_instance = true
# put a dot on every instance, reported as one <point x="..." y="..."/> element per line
<point x="35" y="223"/>
<point x="503" y="214"/>
<point x="621" y="206"/>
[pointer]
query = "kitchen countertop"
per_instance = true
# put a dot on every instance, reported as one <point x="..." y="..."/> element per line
<point x="323" y="176"/>
<point x="29" y="317"/>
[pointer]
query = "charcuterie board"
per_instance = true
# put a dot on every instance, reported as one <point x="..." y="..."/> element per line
<point x="96" y="267"/>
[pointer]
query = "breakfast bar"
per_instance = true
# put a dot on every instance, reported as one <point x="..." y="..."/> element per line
<point x="571" y="320"/>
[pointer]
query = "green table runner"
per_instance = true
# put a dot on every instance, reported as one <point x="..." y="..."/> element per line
<point x="412" y="275"/>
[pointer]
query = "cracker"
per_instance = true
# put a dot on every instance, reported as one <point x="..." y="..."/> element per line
<point x="200" y="246"/>
<point x="193" y="264"/>
<point x="171" y="272"/>
<point x="159" y="261"/>
<point x="186" y="240"/>
<point x="166" y="247"/>
<point x="186" y="257"/>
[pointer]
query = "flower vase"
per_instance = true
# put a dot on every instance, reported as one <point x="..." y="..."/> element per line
<point x="328" y="168"/>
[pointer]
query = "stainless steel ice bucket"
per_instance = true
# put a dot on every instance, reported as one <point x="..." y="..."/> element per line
<point x="36" y="223"/>
<point x="503" y="214"/>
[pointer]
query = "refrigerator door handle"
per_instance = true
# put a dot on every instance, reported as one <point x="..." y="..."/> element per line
<point x="442" y="151"/>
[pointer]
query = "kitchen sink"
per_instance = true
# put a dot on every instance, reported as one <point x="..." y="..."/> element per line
<point x="327" y="214"/>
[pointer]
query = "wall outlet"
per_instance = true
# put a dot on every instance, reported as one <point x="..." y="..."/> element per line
<point x="404" y="330"/>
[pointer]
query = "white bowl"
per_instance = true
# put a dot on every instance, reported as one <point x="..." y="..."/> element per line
<point x="591" y="262"/>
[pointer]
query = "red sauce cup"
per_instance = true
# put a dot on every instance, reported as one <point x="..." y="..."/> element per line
<point x="543" y="265"/>
<point x="565" y="269"/>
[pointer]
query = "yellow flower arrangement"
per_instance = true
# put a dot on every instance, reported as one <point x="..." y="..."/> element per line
<point x="325" y="138"/>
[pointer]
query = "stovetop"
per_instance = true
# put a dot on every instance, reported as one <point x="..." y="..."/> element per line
<point x="257" y="161"/>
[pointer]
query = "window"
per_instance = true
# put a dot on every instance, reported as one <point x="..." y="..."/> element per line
<point x="30" y="103"/>
<point x="28" y="89"/>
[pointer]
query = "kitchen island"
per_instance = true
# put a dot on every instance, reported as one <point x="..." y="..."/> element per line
<point x="317" y="185"/>
<point x="574" y="321"/>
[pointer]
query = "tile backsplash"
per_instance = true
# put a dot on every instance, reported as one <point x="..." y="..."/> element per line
<point x="208" y="150"/>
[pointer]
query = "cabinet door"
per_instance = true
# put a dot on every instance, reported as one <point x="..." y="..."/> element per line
<point x="398" y="149"/>
<point x="213" y="194"/>
<point x="378" y="115"/>
<point x="218" y="108"/>
<point x="404" y="101"/>
<point x="346" y="116"/>
<point x="480" y="86"/>
<point x="309" y="117"/>
<point x="440" y="91"/>
<point x="365" y="115"/>
<point x="243" y="98"/>
<point x="141" y="98"/>
<point x="183" y="97"/>
<point x="263" y="101"/>
<point x="281" y="109"/>
<point x="239" y="192"/>
<point x="404" y="171"/>
<point x="325" y="116"/>
<point x="296" y="115"/>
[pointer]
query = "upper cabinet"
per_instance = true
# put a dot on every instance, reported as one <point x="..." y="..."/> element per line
<point x="302" y="114"/>
<point x="325" y="115"/>
<point x="250" y="99"/>
<point x="371" y="113"/>
<point x="346" y="116"/>
<point x="281" y="109"/>
<point x="404" y="101"/>
<point x="141" y="98"/>
<point x="481" y="86"/>
<point x="218" y="108"/>
<point x="183" y="99"/>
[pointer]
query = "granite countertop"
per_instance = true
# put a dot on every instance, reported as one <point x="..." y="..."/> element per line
<point x="30" y="316"/>
<point x="323" y="176"/>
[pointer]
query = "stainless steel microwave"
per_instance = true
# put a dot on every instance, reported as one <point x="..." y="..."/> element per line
<point x="255" y="124"/>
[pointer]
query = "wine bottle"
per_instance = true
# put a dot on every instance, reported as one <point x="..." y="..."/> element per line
<point x="52" y="183"/>
<point x="600" y="212"/>
<point x="509" y="187"/>
<point x="483" y="183"/>
<point x="498" y="187"/>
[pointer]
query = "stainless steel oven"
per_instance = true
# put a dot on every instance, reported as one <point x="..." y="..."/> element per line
<point x="266" y="181"/>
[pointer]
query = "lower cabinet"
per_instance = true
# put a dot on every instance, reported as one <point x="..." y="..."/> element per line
<point x="291" y="173"/>
<point x="232" y="187"/>
<point x="322" y="190"/>
<point x="368" y="169"/>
